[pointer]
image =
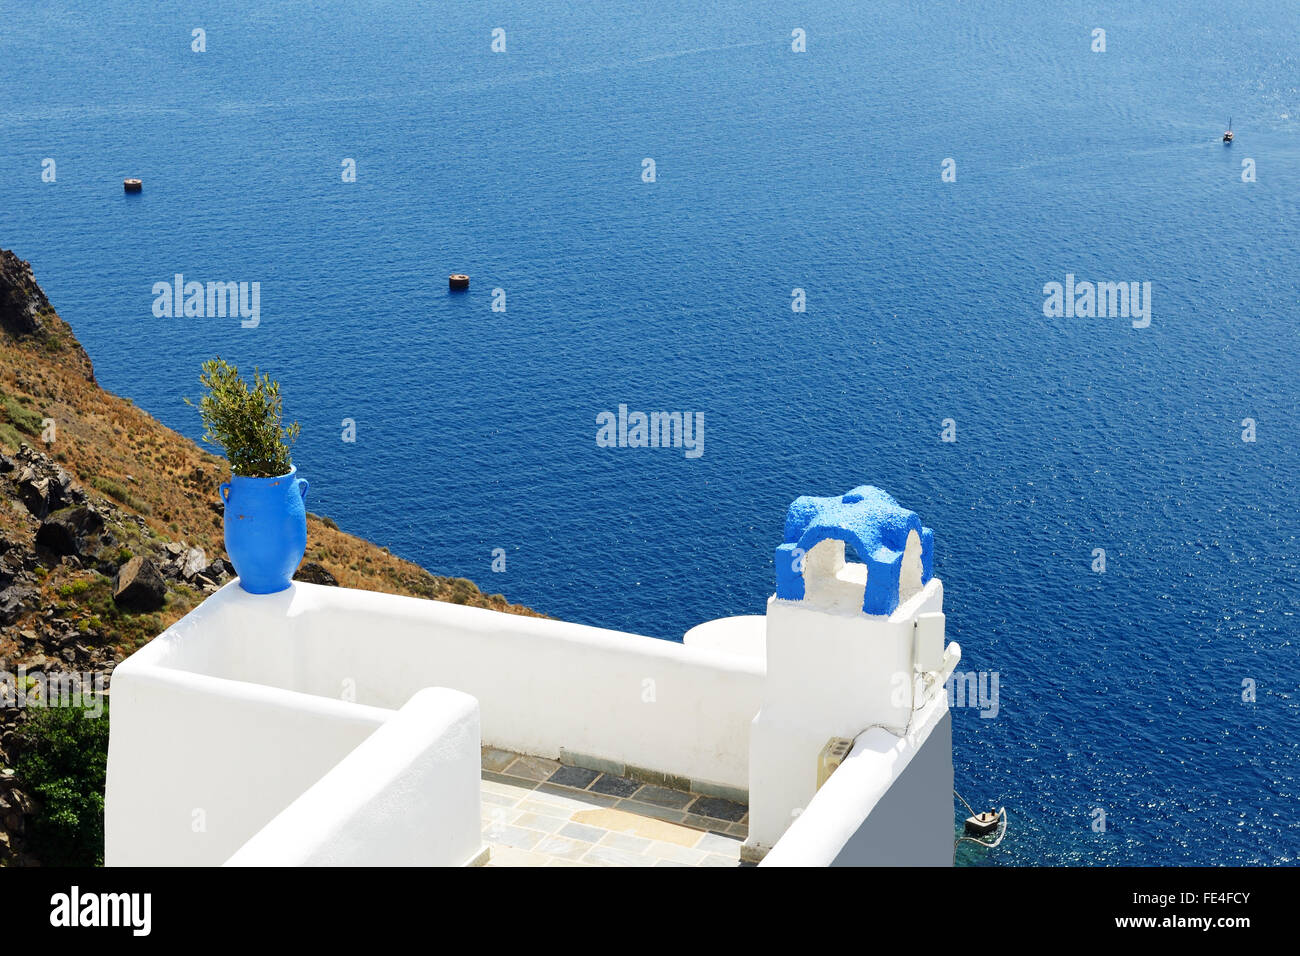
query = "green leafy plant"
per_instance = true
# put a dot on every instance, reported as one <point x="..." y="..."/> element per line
<point x="62" y="763"/>
<point x="245" y="422"/>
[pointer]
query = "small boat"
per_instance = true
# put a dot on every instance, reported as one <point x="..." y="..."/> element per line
<point x="132" y="185"/>
<point x="1227" y="134"/>
<point x="458" y="280"/>
<point x="982" y="824"/>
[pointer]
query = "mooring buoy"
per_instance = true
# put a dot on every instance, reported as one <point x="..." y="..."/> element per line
<point x="132" y="185"/>
<point x="458" y="281"/>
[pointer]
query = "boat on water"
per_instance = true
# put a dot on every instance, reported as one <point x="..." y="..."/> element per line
<point x="1227" y="134"/>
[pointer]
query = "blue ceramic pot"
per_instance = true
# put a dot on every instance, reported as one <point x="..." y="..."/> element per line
<point x="266" y="529"/>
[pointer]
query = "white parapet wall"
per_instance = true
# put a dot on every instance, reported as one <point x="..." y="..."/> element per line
<point x="408" y="796"/>
<point x="228" y="717"/>
<point x="197" y="765"/>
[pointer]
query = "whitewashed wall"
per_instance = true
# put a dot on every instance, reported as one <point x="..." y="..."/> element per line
<point x="255" y="709"/>
<point x="197" y="765"/>
<point x="228" y="717"/>
<point x="888" y="804"/>
<point x="408" y="796"/>
<point x="541" y="684"/>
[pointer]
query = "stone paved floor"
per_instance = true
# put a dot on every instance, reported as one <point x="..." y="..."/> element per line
<point x="537" y="812"/>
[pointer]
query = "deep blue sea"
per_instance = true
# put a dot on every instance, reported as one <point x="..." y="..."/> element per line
<point x="775" y="170"/>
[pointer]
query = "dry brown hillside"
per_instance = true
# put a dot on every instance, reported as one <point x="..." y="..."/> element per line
<point x="92" y="489"/>
<point x="120" y="454"/>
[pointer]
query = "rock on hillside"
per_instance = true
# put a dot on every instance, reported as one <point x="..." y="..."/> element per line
<point x="27" y="317"/>
<point x="22" y="303"/>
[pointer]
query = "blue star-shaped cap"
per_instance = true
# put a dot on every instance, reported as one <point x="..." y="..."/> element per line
<point x="872" y="522"/>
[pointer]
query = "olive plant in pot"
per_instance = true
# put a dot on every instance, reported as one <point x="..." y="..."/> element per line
<point x="265" y="513"/>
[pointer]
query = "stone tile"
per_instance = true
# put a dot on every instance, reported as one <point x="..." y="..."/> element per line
<point x="569" y="799"/>
<point x="615" y="786"/>
<point x="678" y="854"/>
<point x="516" y="787"/>
<point x="498" y="817"/>
<point x="576" y="777"/>
<point x="716" y="808"/>
<point x="625" y="842"/>
<point x="512" y="836"/>
<point x="545" y="809"/>
<point x="585" y="797"/>
<point x="497" y="760"/>
<point x="650" y="810"/>
<point x="509" y="856"/>
<point x="582" y="831"/>
<point x="608" y="856"/>
<point x="519" y="783"/>
<point x="536" y="821"/>
<point x="704" y="823"/>
<point x="715" y="843"/>
<point x="563" y="848"/>
<point x="532" y="768"/>
<point x="558" y="799"/>
<point x="620" y="821"/>
<point x="662" y="797"/>
<point x="537" y="812"/>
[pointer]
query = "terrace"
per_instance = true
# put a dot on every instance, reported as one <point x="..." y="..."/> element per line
<point x="539" y="812"/>
<point x="337" y="727"/>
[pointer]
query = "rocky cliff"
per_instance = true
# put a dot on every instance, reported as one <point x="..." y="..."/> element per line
<point x="111" y="529"/>
<point x="28" y="319"/>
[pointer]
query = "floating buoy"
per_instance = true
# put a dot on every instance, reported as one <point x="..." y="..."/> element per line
<point x="458" y="281"/>
<point x="132" y="185"/>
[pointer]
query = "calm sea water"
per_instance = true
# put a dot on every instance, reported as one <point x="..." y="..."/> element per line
<point x="775" y="170"/>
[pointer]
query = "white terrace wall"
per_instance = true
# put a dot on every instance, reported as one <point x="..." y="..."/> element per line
<point x="541" y="684"/>
<point x="408" y="796"/>
<point x="225" y="719"/>
<point x="197" y="765"/>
